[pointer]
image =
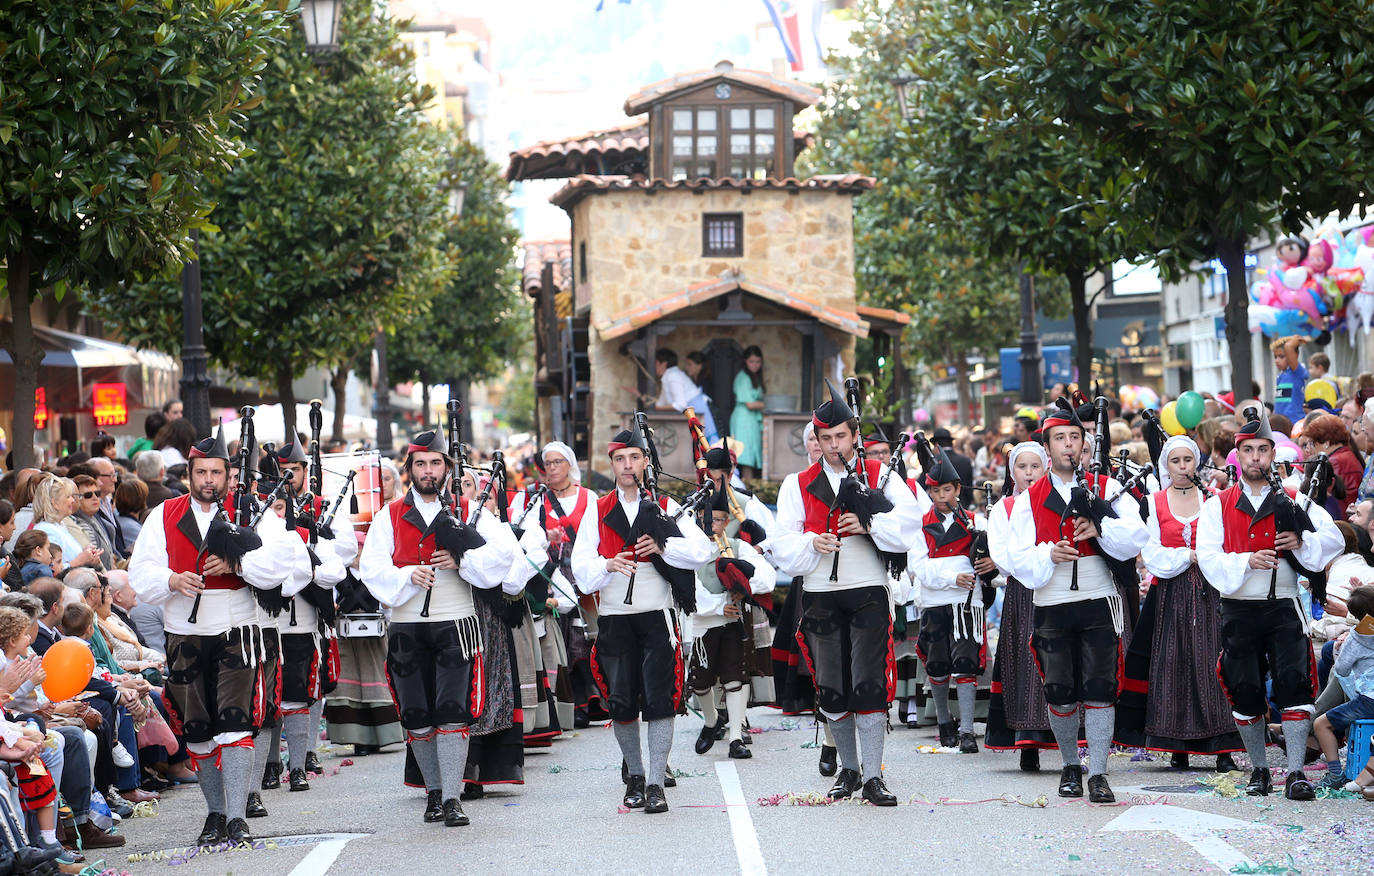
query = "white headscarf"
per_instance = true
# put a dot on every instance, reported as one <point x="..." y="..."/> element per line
<point x="566" y="452"/>
<point x="1028" y="447"/>
<point x="1175" y="442"/>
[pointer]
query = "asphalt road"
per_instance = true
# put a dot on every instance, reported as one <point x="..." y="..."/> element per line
<point x="567" y="819"/>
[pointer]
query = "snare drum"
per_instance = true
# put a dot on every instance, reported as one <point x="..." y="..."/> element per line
<point x="362" y="625"/>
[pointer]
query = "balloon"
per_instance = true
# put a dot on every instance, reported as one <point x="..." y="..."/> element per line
<point x="1028" y="412"/>
<point x="1190" y="409"/>
<point x="1321" y="389"/>
<point x="1295" y="278"/>
<point x="1168" y="418"/>
<point x="68" y="664"/>
<point x="921" y="415"/>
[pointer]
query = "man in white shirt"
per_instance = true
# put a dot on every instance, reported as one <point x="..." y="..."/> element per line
<point x="1059" y="550"/>
<point x="637" y="659"/>
<point x="1242" y="555"/>
<point x="680" y="392"/>
<point x="845" y="565"/>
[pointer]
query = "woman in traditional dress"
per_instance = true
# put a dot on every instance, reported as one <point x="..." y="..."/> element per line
<point x="1186" y="711"/>
<point x="1017" y="716"/>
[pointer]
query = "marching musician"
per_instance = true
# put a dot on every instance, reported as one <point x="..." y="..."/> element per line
<point x="637" y="658"/>
<point x="845" y="629"/>
<point x="219" y="677"/>
<point x="435" y="646"/>
<point x="1242" y="555"/>
<point x="719" y="632"/>
<point x="1079" y="612"/>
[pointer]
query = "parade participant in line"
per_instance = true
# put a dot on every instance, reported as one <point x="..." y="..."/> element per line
<point x="1017" y="712"/>
<point x="952" y="642"/>
<point x="1058" y="551"/>
<point x="563" y="506"/>
<point x="846" y="627"/>
<point x="219" y="680"/>
<point x="720" y="638"/>
<point x="435" y="647"/>
<point x="720" y="468"/>
<point x="1263" y="626"/>
<point x="1180" y="628"/>
<point x="637" y="658"/>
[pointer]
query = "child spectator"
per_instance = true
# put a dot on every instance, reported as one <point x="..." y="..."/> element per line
<point x="33" y="553"/>
<point x="1355" y="668"/>
<point x="1318" y="366"/>
<point x="1291" y="384"/>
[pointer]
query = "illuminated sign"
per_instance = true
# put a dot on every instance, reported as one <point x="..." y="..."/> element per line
<point x="111" y="404"/>
<point x="40" y="408"/>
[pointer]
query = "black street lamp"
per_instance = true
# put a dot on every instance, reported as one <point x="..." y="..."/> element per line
<point x="320" y="21"/>
<point x="381" y="394"/>
<point x="1032" y="381"/>
<point x="195" y="376"/>
<point x="906" y="86"/>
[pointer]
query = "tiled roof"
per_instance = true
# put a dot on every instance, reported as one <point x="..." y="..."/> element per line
<point x="884" y="315"/>
<point x="578" y="186"/>
<point x="798" y="92"/>
<point x="844" y="320"/>
<point x="537" y="252"/>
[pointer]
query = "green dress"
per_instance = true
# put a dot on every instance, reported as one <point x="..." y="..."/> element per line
<point x="746" y="426"/>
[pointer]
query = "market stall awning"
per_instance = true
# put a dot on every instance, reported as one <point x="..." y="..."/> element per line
<point x="67" y="350"/>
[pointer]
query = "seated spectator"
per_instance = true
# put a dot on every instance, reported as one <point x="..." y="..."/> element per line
<point x="33" y="555"/>
<point x="88" y="529"/>
<point x="9" y="568"/>
<point x="152" y="470"/>
<point x="26" y="481"/>
<point x="131" y="504"/>
<point x="103" y="444"/>
<point x="174" y="441"/>
<point x="53" y="503"/>
<point x="1355" y="669"/>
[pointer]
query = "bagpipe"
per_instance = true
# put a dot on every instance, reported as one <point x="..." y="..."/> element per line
<point x="451" y="532"/>
<point x="856" y="497"/>
<point x="748" y="530"/>
<point x="1289" y="516"/>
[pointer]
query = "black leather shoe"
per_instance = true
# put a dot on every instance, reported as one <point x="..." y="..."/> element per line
<point x="829" y="761"/>
<point x="949" y="734"/>
<point x="364" y="750"/>
<point x="1071" y="782"/>
<point x="1099" y="791"/>
<point x="654" y="800"/>
<point x="748" y="737"/>
<point x="705" y="740"/>
<point x="31" y="859"/>
<point x="1296" y="787"/>
<point x="1226" y="763"/>
<point x="967" y="744"/>
<point x="739" y="750"/>
<point x="454" y="816"/>
<point x="876" y="793"/>
<point x="669" y="780"/>
<point x="214" y="831"/>
<point x="1178" y="760"/>
<point x="271" y="776"/>
<point x="238" y="832"/>
<point x="845" y="785"/>
<point x="634" y="793"/>
<point x="1261" y="783"/>
<point x="434" y="807"/>
<point x="1030" y="760"/>
<point x="722" y="724"/>
<point x="298" y="782"/>
<point x="312" y="762"/>
<point x="472" y="791"/>
<point x="255" y="808"/>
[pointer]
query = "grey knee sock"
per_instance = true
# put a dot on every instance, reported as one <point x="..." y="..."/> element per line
<point x="846" y="745"/>
<point x="871" y="730"/>
<point x="212" y="785"/>
<point x="967" y="694"/>
<point x="262" y="747"/>
<point x="297" y="729"/>
<point x="940" y="692"/>
<point x="1065" y="728"/>
<point x="706" y="699"/>
<point x="627" y="737"/>
<point x="737" y="708"/>
<point x="237" y="765"/>
<point x="316" y="716"/>
<point x="1252" y="735"/>
<point x="426" y="753"/>
<point x="660" y="744"/>
<point x="274" y="742"/>
<point x="828" y="734"/>
<point x="1295" y="735"/>
<point x="452" y="750"/>
<point x="1099" y="722"/>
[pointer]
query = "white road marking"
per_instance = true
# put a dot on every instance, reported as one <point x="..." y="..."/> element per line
<point x="1190" y="826"/>
<point x="741" y="824"/>
<point x="323" y="856"/>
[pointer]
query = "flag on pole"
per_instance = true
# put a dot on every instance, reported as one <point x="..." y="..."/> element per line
<point x="784" y="16"/>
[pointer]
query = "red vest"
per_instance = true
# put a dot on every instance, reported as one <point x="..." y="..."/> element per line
<point x="818" y="516"/>
<point x="1044" y="501"/>
<point x="932" y="524"/>
<point x="182" y="552"/>
<point x="1170" y="527"/>
<point x="570" y="519"/>
<point x="1239" y="533"/>
<point x="613" y="542"/>
<point x="407" y="539"/>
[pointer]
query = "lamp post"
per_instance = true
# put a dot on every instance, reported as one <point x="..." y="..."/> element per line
<point x="906" y="85"/>
<point x="1032" y="380"/>
<point x="195" y="376"/>
<point x="320" y="21"/>
<point x="458" y="386"/>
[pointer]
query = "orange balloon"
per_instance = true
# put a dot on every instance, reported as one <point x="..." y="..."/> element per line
<point x="68" y="664"/>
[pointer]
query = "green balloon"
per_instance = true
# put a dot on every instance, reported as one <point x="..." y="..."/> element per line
<point x="1191" y="409"/>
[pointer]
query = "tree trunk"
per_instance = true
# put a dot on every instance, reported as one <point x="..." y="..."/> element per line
<point x="961" y="386"/>
<point x="338" y="381"/>
<point x="24" y="353"/>
<point x="1232" y="255"/>
<point x="1082" y="327"/>
<point x="424" y="405"/>
<point x="286" y="395"/>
